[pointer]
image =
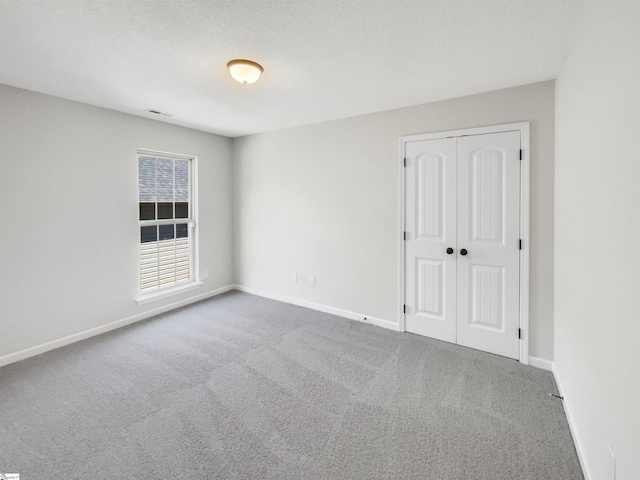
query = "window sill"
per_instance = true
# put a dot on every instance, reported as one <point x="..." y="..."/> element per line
<point x="166" y="292"/>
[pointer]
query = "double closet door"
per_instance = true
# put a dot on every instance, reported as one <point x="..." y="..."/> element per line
<point x="462" y="206"/>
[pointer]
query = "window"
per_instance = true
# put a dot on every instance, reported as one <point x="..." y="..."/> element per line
<point x="166" y="213"/>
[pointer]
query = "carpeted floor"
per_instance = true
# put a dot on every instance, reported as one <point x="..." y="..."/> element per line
<point x="241" y="387"/>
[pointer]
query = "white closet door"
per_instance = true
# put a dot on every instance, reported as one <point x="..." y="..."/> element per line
<point x="488" y="230"/>
<point x="430" y="224"/>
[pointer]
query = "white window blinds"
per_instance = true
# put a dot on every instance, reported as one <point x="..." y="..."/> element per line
<point x="166" y="220"/>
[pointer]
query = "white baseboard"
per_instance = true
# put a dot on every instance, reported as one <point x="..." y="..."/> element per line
<point x="542" y="363"/>
<point x="321" y="308"/>
<point x="92" y="332"/>
<point x="572" y="425"/>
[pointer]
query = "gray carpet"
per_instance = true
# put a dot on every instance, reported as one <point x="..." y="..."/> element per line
<point x="241" y="387"/>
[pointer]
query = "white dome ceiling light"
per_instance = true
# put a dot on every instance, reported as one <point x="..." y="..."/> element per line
<point x="245" y="71"/>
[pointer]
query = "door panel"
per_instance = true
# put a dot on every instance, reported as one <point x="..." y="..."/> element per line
<point x="429" y="288"/>
<point x="431" y="228"/>
<point x="487" y="195"/>
<point x="430" y="213"/>
<point x="488" y="228"/>
<point x="486" y="297"/>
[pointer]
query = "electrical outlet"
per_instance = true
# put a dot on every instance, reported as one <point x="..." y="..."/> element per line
<point x="312" y="281"/>
<point x="294" y="277"/>
<point x="205" y="273"/>
<point x="613" y="463"/>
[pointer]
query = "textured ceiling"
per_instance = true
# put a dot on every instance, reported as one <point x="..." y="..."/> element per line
<point x="323" y="59"/>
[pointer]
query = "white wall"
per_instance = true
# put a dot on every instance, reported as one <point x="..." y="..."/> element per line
<point x="597" y="232"/>
<point x="68" y="215"/>
<point x="322" y="200"/>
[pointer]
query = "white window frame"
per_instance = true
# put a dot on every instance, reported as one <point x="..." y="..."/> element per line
<point x="194" y="280"/>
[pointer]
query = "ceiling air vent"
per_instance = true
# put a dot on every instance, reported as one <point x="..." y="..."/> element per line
<point x="158" y="112"/>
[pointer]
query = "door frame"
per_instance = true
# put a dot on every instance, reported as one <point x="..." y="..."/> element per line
<point x="523" y="129"/>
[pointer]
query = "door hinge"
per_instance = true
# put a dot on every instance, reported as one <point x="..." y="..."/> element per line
<point x="520" y="154"/>
<point x="405" y="161"/>
<point x="520" y="244"/>
<point x="404" y="236"/>
<point x="520" y="333"/>
<point x="404" y="309"/>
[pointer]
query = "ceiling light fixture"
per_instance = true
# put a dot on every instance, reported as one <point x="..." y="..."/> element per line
<point x="245" y="71"/>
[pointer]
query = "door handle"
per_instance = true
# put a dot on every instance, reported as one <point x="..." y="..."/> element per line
<point x="463" y="251"/>
<point x="449" y="250"/>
